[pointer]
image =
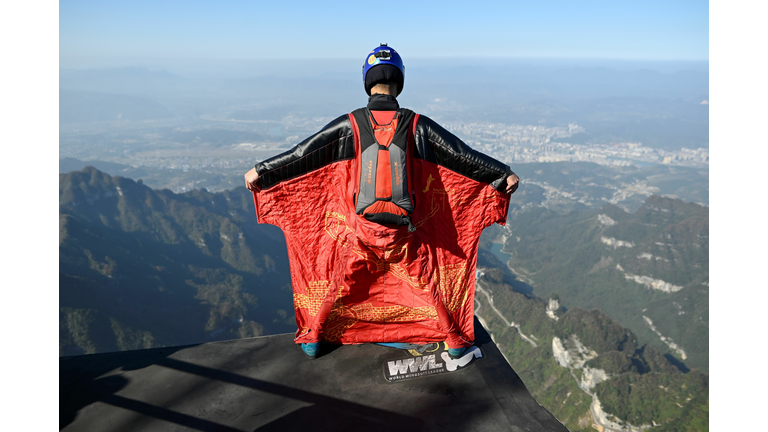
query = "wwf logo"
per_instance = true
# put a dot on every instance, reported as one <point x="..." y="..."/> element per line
<point x="415" y="364"/>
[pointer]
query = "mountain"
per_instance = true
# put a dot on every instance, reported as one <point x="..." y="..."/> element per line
<point x="648" y="270"/>
<point x="613" y="102"/>
<point x="77" y="106"/>
<point x="661" y="110"/>
<point x="135" y="81"/>
<point x="68" y="164"/>
<point x="585" y="368"/>
<point x="141" y="268"/>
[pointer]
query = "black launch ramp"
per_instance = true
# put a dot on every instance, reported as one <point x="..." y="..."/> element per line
<point x="268" y="384"/>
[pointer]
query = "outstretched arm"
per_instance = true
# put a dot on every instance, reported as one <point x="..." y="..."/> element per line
<point x="435" y="144"/>
<point x="335" y="142"/>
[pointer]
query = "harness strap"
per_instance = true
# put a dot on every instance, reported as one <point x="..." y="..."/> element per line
<point x="369" y="161"/>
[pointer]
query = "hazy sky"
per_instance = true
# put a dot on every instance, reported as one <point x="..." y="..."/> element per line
<point x="118" y="32"/>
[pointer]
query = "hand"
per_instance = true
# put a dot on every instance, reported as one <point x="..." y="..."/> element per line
<point x="251" y="177"/>
<point x="513" y="182"/>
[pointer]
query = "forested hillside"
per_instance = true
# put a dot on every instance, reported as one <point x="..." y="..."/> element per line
<point x="142" y="268"/>
<point x="584" y="367"/>
<point x="648" y="270"/>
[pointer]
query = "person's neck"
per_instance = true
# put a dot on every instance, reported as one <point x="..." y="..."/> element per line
<point x="382" y="88"/>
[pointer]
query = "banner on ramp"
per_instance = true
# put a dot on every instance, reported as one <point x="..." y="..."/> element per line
<point x="433" y="360"/>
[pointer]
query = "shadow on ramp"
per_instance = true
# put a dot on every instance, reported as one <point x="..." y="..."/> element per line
<point x="267" y="384"/>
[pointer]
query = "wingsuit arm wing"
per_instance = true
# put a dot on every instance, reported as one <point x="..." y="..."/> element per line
<point x="335" y="142"/>
<point x="435" y="144"/>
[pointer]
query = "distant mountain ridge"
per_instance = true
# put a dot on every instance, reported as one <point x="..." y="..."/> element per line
<point x="661" y="110"/>
<point x="137" y="81"/>
<point x="68" y="164"/>
<point x="77" y="106"/>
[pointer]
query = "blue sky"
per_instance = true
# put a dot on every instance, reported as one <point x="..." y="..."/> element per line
<point x="124" y="32"/>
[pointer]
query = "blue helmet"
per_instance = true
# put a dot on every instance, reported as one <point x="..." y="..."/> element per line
<point x="392" y="67"/>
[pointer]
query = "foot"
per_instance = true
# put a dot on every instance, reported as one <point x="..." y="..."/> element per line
<point x="456" y="352"/>
<point x="399" y="345"/>
<point x="311" y="349"/>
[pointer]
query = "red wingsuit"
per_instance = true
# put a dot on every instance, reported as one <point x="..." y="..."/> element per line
<point x="356" y="281"/>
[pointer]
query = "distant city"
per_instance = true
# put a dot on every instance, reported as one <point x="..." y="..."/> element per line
<point x="526" y="144"/>
<point x="220" y="166"/>
<point x="509" y="143"/>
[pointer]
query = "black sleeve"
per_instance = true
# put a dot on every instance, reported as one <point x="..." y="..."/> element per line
<point x="435" y="144"/>
<point x="335" y="142"/>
